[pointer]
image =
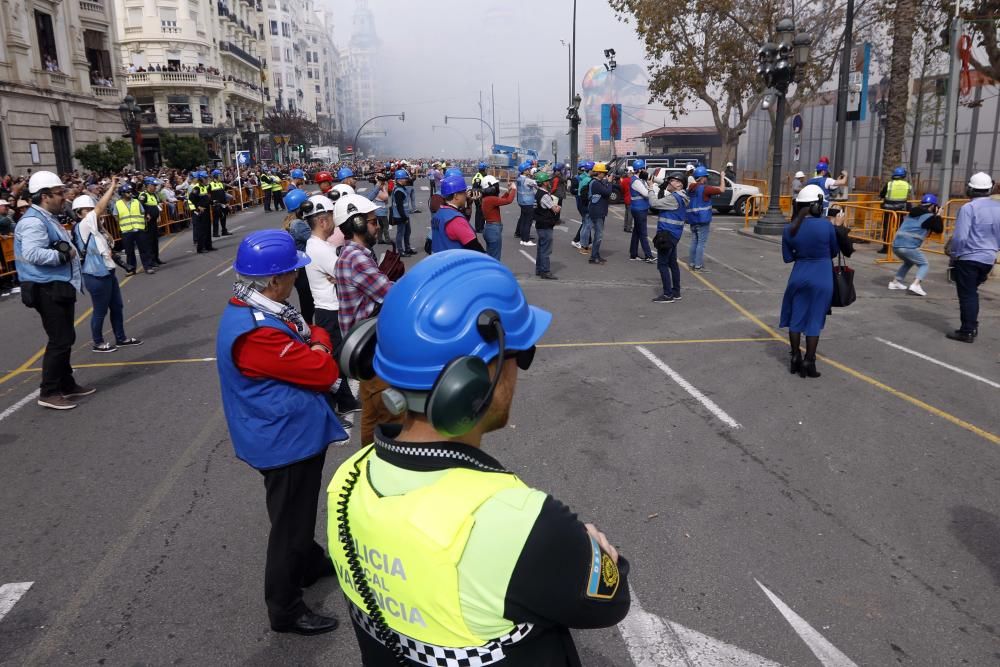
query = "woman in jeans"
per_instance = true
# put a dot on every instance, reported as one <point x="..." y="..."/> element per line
<point x="915" y="227"/>
<point x="98" y="269"/>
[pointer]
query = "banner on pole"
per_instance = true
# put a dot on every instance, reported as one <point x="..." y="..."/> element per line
<point x="857" y="85"/>
<point x="611" y="122"/>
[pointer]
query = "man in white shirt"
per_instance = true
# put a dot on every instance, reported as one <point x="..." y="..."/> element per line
<point x="317" y="211"/>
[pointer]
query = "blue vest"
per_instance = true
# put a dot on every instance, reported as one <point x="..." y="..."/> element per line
<point x="43" y="273"/>
<point x="699" y="212"/>
<point x="639" y="203"/>
<point x="673" y="221"/>
<point x="439" y="239"/>
<point x="93" y="262"/>
<point x="821" y="182"/>
<point x="271" y="423"/>
<point x="910" y="233"/>
<point x="525" y="195"/>
<point x="393" y="209"/>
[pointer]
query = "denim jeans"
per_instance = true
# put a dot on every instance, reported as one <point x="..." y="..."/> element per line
<point x="639" y="235"/>
<point x="968" y="277"/>
<point x="699" y="238"/>
<point x="595" y="247"/>
<point x="911" y="257"/>
<point x="543" y="252"/>
<point x="585" y="231"/>
<point x="524" y="222"/>
<point x="402" y="235"/>
<point x="670" y="272"/>
<point x="105" y="294"/>
<point x="493" y="235"/>
<point x="412" y="195"/>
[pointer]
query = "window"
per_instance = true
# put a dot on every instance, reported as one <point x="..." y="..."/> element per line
<point x="936" y="155"/>
<point x="135" y="16"/>
<point x="288" y="55"/>
<point x="309" y="73"/>
<point x="48" y="56"/>
<point x="277" y="79"/>
<point x="274" y="28"/>
<point x="178" y="109"/>
<point x="285" y="30"/>
<point x="317" y="89"/>
<point x="308" y="57"/>
<point x="276" y="53"/>
<point x="98" y="58"/>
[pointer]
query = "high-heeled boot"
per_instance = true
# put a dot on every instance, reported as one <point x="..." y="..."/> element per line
<point x="809" y="368"/>
<point x="796" y="364"/>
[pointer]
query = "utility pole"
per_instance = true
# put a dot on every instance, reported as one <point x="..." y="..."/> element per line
<point x="951" y="108"/>
<point x="493" y="110"/>
<point x="842" y="89"/>
<point x="482" y="135"/>
<point x="572" y="114"/>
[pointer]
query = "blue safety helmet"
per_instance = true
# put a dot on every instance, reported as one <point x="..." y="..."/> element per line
<point x="400" y="174"/>
<point x="589" y="164"/>
<point x="452" y="184"/>
<point x="125" y="189"/>
<point x="202" y="174"/>
<point x="425" y="322"/>
<point x="294" y="198"/>
<point x="929" y="200"/>
<point x="149" y="180"/>
<point x="822" y="166"/>
<point x="269" y="252"/>
<point x="524" y="166"/>
<point x="639" y="164"/>
<point x="216" y="172"/>
<point x="388" y="165"/>
<point x="344" y="172"/>
<point x="297" y="173"/>
<point x="700" y="172"/>
<point x="582" y="164"/>
<point x="559" y="166"/>
<point x="483" y="165"/>
<point x="899" y="172"/>
<point x="453" y="171"/>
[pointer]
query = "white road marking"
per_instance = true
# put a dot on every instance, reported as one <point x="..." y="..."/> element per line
<point x="224" y="271"/>
<point x="735" y="270"/>
<point x="690" y="388"/>
<point x="20" y="404"/>
<point x="10" y="594"/>
<point x="236" y="229"/>
<point x="575" y="220"/>
<point x="425" y="188"/>
<point x="653" y="641"/>
<point x="527" y="256"/>
<point x="562" y="228"/>
<point x="960" y="371"/>
<point x="828" y="654"/>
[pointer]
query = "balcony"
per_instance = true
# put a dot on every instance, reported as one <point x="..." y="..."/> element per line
<point x="148" y="118"/>
<point x="243" y="90"/>
<point x="174" y="79"/>
<point x="133" y="29"/>
<point x="237" y="52"/>
<point x="106" y="92"/>
<point x="92" y="8"/>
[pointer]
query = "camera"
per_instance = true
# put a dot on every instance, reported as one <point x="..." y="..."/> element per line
<point x="63" y="248"/>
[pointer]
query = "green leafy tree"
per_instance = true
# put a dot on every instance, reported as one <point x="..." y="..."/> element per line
<point x="182" y="152"/>
<point x="108" y="157"/>
<point x="295" y="124"/>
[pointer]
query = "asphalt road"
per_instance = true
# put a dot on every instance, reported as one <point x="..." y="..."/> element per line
<point x="866" y="502"/>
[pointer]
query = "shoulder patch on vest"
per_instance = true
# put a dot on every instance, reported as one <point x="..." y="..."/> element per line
<point x="603" y="581"/>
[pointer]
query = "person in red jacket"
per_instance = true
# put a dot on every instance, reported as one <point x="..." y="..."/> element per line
<point x="626" y="185"/>
<point x="492" y="201"/>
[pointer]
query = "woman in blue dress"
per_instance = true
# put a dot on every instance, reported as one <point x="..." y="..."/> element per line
<point x="809" y="241"/>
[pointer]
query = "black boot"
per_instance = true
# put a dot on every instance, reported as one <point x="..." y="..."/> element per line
<point x="796" y="364"/>
<point x="809" y="368"/>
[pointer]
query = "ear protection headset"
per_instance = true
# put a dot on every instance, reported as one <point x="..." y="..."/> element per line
<point x="816" y="208"/>
<point x="462" y="392"/>
<point x="355" y="224"/>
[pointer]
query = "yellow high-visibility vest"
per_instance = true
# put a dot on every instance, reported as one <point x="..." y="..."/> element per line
<point x="216" y="185"/>
<point x="130" y="217"/>
<point x="898" y="190"/>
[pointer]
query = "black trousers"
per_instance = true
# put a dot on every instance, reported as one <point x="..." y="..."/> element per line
<point x="278" y="199"/>
<point x="153" y="236"/>
<point x="57" y="320"/>
<point x="968" y="277"/>
<point x="329" y="320"/>
<point x="523" y="229"/>
<point x="267" y="199"/>
<point x="136" y="240"/>
<point x="293" y="556"/>
<point x="480" y="218"/>
<point x="218" y="218"/>
<point x="306" y="305"/>
<point x="202" y="229"/>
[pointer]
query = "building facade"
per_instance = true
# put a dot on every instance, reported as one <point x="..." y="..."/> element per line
<point x="60" y="83"/>
<point x="194" y="67"/>
<point x="357" y="72"/>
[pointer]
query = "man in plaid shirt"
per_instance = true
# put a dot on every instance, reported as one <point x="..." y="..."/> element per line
<point x="361" y="288"/>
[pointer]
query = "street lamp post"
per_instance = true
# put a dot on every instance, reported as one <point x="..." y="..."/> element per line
<point x="573" y="110"/>
<point x="480" y="120"/>
<point x="400" y="116"/>
<point x="777" y="65"/>
<point x="130" y="113"/>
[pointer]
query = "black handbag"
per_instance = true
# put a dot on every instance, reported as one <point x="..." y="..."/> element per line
<point x="843" y="284"/>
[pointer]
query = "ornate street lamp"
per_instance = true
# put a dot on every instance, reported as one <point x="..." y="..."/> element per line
<point x="130" y="113"/>
<point x="777" y="66"/>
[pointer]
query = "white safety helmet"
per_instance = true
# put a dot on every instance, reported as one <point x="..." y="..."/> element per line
<point x="349" y="206"/>
<point x="41" y="180"/>
<point x="630" y="169"/>
<point x="84" y="201"/>
<point x="809" y="194"/>
<point x="980" y="181"/>
<point x="340" y="190"/>
<point x="317" y="204"/>
<point x="489" y="182"/>
<point x="799" y="174"/>
<point x="660" y="175"/>
<point x="690" y="167"/>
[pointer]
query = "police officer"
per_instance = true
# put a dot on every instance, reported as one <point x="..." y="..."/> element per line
<point x="257" y="327"/>
<point x="265" y="188"/>
<point x="132" y="224"/>
<point x="151" y="206"/>
<point x="450" y="228"/>
<point x="220" y="204"/>
<point x="477" y="196"/>
<point x="895" y="195"/>
<point x="439" y="550"/>
<point x="199" y="197"/>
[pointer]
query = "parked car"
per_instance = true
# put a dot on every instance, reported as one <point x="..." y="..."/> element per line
<point x="734" y="199"/>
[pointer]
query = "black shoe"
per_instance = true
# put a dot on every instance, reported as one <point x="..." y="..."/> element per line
<point x="212" y="249"/>
<point x="547" y="276"/>
<point x="309" y="623"/>
<point x="664" y="298"/>
<point x="202" y="252"/>
<point x="346" y="407"/>
<point x="808" y="368"/>
<point x="796" y="363"/>
<point x="226" y="234"/>
<point x="215" y="236"/>
<point x="159" y="262"/>
<point x="961" y="336"/>
<point x="129" y="272"/>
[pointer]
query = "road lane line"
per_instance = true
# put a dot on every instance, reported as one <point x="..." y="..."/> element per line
<point x="224" y="271"/>
<point x="711" y="405"/>
<point x="237" y="228"/>
<point x="527" y="256"/>
<point x="828" y="654"/>
<point x="150" y="362"/>
<point x="20" y="404"/>
<point x="913" y="400"/>
<point x="956" y="369"/>
<point x="11" y="593"/>
<point x="631" y="343"/>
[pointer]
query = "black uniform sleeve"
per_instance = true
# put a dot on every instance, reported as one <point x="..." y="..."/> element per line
<point x="564" y="578"/>
<point x="474" y="244"/>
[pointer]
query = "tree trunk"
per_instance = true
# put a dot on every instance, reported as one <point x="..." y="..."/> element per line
<point x="899" y="82"/>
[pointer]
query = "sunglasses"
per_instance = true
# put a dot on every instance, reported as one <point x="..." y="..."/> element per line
<point x="524" y="357"/>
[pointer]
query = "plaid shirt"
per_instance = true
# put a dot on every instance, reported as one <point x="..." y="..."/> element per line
<point x="360" y="284"/>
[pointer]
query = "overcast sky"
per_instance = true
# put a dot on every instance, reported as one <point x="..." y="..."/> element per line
<point x="438" y="56"/>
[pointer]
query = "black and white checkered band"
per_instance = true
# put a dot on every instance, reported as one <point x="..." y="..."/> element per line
<point x="490" y="653"/>
<point x="432" y="452"/>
